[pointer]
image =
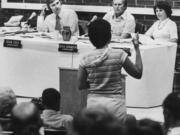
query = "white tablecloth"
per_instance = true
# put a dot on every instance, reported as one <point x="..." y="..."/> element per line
<point x="35" y="67"/>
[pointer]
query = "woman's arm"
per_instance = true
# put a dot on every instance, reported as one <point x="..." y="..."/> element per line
<point x="173" y="32"/>
<point x="135" y="70"/>
<point x="82" y="79"/>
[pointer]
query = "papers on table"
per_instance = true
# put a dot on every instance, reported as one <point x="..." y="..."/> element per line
<point x="13" y="21"/>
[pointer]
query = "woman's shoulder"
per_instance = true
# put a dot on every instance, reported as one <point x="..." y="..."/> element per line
<point x="117" y="53"/>
<point x="171" y="21"/>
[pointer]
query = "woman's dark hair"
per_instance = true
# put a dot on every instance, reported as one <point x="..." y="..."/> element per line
<point x="165" y="6"/>
<point x="99" y="32"/>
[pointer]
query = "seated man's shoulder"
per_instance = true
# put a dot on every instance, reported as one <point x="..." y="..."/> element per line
<point x="129" y="16"/>
<point x="67" y="11"/>
<point x="109" y="14"/>
<point x="50" y="16"/>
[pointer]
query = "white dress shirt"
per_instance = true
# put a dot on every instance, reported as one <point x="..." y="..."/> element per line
<point x="122" y="24"/>
<point x="163" y="31"/>
<point x="68" y="17"/>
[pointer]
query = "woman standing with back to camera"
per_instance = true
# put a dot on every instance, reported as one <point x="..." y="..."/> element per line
<point x="164" y="29"/>
<point x="100" y="70"/>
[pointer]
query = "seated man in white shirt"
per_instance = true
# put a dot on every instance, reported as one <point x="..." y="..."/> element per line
<point x="65" y="17"/>
<point x="122" y="23"/>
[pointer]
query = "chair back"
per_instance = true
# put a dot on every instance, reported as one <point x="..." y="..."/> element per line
<point x="83" y="28"/>
<point x="140" y="28"/>
<point x="49" y="131"/>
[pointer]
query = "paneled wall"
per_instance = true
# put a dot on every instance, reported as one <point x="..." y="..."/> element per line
<point x="133" y="3"/>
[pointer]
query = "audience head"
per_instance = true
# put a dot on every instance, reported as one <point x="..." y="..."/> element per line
<point x="51" y="99"/>
<point x="99" y="32"/>
<point x="26" y="119"/>
<point x="162" y="10"/>
<point x="171" y="109"/>
<point x="119" y="7"/>
<point x="96" y="121"/>
<point x="54" y="5"/>
<point x="146" y="127"/>
<point x="7" y="101"/>
<point x="149" y="127"/>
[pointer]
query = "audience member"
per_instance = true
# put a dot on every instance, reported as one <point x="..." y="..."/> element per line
<point x="130" y="123"/>
<point x="171" y="111"/>
<point x="26" y="119"/>
<point x="38" y="102"/>
<point x="7" y="102"/>
<point x="59" y="18"/>
<point x="96" y="121"/>
<point x="164" y="29"/>
<point x="51" y="116"/>
<point x="150" y="127"/>
<point x="122" y="22"/>
<point x="146" y="127"/>
<point x="100" y="70"/>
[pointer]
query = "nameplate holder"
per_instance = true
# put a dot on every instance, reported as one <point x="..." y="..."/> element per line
<point x="12" y="43"/>
<point x="68" y="47"/>
<point x="127" y="50"/>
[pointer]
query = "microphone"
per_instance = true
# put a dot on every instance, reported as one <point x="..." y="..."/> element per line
<point x="31" y="17"/>
<point x="92" y="20"/>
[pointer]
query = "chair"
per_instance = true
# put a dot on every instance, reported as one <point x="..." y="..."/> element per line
<point x="83" y="29"/>
<point x="5" y="122"/>
<point x="140" y="28"/>
<point x="50" y="131"/>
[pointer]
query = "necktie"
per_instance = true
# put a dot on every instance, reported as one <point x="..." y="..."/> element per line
<point x="58" y="25"/>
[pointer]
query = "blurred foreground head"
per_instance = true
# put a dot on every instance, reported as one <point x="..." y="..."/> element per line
<point x="96" y="121"/>
<point x="26" y="119"/>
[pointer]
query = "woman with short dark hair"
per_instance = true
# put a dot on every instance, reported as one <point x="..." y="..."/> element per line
<point x="164" y="29"/>
<point x="100" y="70"/>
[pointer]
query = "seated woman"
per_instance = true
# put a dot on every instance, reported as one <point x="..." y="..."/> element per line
<point x="100" y="70"/>
<point x="164" y="29"/>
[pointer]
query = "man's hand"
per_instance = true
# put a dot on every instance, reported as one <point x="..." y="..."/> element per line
<point x="43" y="9"/>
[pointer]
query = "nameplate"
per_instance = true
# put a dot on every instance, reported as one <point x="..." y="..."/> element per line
<point x="127" y="50"/>
<point x="12" y="43"/>
<point x="65" y="47"/>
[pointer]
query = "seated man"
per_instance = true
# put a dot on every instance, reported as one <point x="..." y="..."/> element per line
<point x="58" y="19"/>
<point x="51" y="116"/>
<point x="122" y="23"/>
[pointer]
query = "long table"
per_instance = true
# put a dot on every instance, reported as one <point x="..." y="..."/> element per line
<point x="34" y="67"/>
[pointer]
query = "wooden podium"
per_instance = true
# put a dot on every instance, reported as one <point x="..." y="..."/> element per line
<point x="72" y="99"/>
